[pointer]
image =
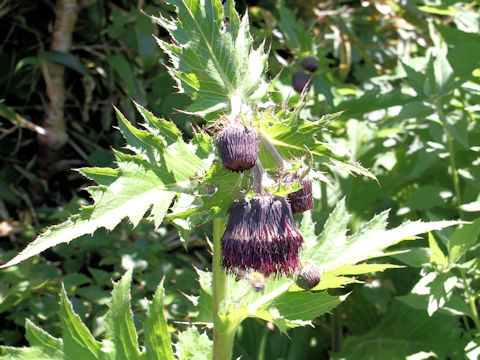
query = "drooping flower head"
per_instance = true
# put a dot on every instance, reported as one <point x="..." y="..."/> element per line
<point x="302" y="200"/>
<point x="261" y="235"/>
<point x="238" y="146"/>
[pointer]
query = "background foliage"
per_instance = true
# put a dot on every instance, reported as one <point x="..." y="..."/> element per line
<point x="411" y="116"/>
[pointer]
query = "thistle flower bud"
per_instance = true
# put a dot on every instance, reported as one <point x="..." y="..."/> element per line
<point x="309" y="63"/>
<point x="261" y="235"/>
<point x="238" y="146"/>
<point x="302" y="200"/>
<point x="308" y="277"/>
<point x="299" y="80"/>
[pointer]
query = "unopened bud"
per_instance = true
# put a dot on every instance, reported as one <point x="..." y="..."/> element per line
<point x="238" y="146"/>
<point x="308" y="277"/>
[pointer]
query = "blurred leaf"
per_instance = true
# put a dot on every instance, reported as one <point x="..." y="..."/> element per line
<point x="437" y="256"/>
<point x="444" y="79"/>
<point x="403" y="332"/>
<point x="472" y="350"/>
<point x="462" y="240"/>
<point x="122" y="68"/>
<point x="438" y="287"/>
<point x="296" y="36"/>
<point x="415" y="257"/>
<point x="63" y="58"/>
<point x="146" y="44"/>
<point x="426" y="197"/>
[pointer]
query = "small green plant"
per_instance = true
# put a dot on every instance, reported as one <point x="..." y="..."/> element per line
<point x="269" y="157"/>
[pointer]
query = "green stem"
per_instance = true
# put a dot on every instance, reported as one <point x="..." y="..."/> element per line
<point x="471" y="301"/>
<point x="453" y="165"/>
<point x="223" y="331"/>
<point x="336" y="331"/>
<point x="323" y="193"/>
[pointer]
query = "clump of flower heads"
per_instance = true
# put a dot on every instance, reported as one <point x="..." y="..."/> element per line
<point x="238" y="146"/>
<point x="261" y="235"/>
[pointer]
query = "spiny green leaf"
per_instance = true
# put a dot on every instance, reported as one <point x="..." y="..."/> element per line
<point x="157" y="339"/>
<point x="119" y="326"/>
<point x="192" y="345"/>
<point x="292" y="135"/>
<point x="52" y="347"/>
<point x="212" y="55"/>
<point x="337" y="254"/>
<point x="77" y="339"/>
<point x="43" y="346"/>
<point x="163" y="166"/>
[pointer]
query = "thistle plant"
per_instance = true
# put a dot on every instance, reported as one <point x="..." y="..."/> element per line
<point x="214" y="61"/>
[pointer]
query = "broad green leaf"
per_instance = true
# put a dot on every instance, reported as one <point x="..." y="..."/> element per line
<point x="296" y="36"/>
<point x="163" y="166"/>
<point x="416" y="257"/>
<point x="192" y="345"/>
<point x="444" y="77"/>
<point x="119" y="326"/>
<point x="403" y="332"/>
<point x="158" y="345"/>
<point x="438" y="287"/>
<point x="437" y="256"/>
<point x="293" y="309"/>
<point x="77" y="340"/>
<point x="212" y="56"/>
<point x="455" y="306"/>
<point x="462" y="240"/>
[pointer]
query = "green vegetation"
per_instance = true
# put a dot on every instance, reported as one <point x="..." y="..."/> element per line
<point x="387" y="128"/>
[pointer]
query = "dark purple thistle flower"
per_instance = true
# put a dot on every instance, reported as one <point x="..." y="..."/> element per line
<point x="261" y="235"/>
<point x="302" y="200"/>
<point x="238" y="147"/>
<point x="309" y="63"/>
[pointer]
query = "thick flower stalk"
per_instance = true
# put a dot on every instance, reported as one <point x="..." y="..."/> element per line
<point x="238" y="146"/>
<point x="261" y="235"/>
